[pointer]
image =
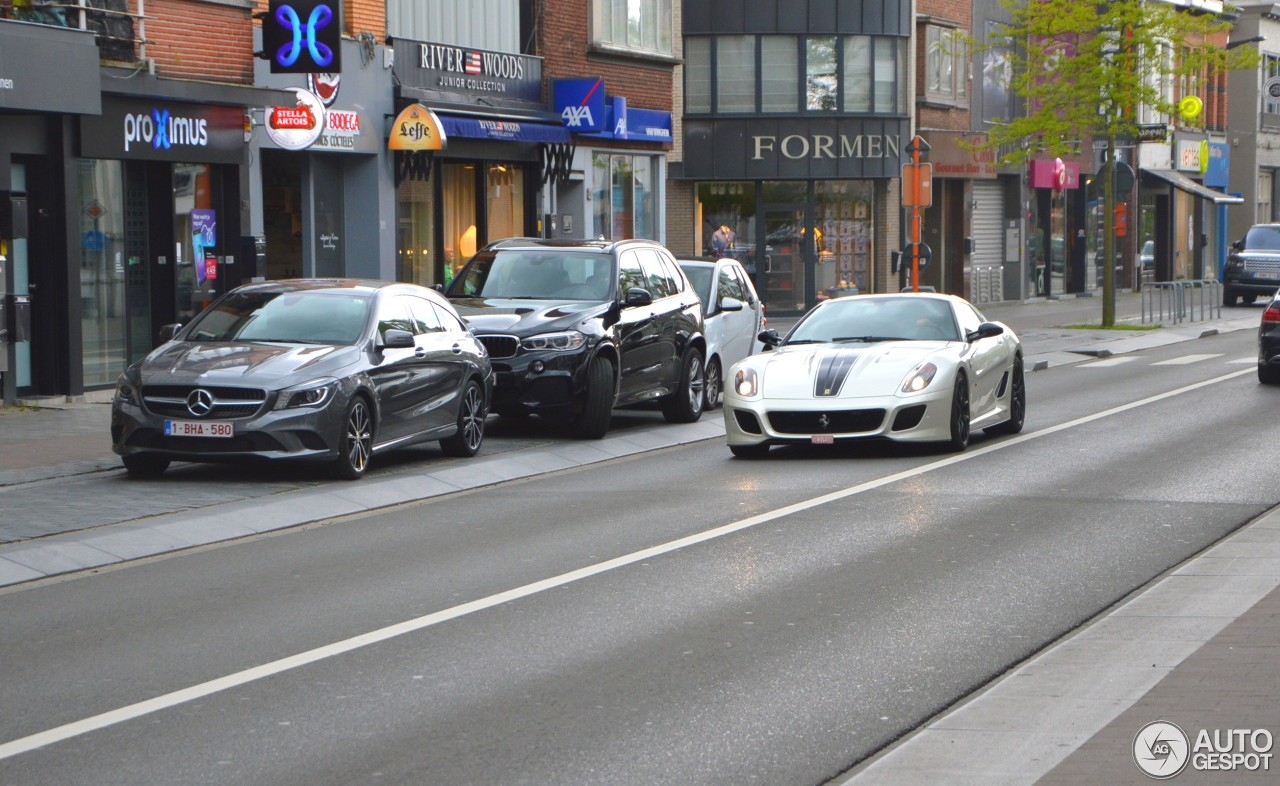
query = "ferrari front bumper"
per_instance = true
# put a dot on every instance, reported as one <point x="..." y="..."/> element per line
<point x="918" y="418"/>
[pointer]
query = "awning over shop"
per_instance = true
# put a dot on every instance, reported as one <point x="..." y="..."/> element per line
<point x="503" y="130"/>
<point x="1179" y="180"/>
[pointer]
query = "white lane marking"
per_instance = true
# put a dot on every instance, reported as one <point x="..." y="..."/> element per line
<point x="1251" y="361"/>
<point x="1186" y="360"/>
<point x="168" y="700"/>
<point x="1120" y="361"/>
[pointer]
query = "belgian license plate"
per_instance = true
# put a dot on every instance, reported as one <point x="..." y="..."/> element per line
<point x="197" y="428"/>
<point x="822" y="439"/>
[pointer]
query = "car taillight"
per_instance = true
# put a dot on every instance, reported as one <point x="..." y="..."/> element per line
<point x="1272" y="314"/>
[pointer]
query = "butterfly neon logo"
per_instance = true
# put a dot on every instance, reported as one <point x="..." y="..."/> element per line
<point x="304" y="35"/>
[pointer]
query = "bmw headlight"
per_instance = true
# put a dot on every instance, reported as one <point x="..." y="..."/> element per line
<point x="563" y="341"/>
<point x="126" y="390"/>
<point x="746" y="382"/>
<point x="311" y="394"/>
<point x="919" y="378"/>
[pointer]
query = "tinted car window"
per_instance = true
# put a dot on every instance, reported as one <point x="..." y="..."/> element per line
<point x="729" y="285"/>
<point x="630" y="274"/>
<point x="659" y="284"/>
<point x="448" y="319"/>
<point x="673" y="272"/>
<point x="748" y="294"/>
<point x="700" y="278"/>
<point x="969" y="318"/>
<point x="393" y="314"/>
<point x="294" y="317"/>
<point x="917" y="319"/>
<point x="1263" y="237"/>
<point x="425" y="315"/>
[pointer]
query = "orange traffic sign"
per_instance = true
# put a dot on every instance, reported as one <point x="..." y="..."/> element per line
<point x="917" y="185"/>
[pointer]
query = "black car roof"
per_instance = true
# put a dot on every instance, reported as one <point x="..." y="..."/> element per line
<point x="567" y="245"/>
<point x="322" y="284"/>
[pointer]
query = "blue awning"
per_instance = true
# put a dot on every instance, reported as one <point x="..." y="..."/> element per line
<point x="502" y="130"/>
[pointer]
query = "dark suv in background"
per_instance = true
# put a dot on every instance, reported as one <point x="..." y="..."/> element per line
<point x="1253" y="268"/>
<point x="577" y="327"/>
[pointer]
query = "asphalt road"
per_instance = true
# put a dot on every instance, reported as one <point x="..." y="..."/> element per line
<point x="559" y="630"/>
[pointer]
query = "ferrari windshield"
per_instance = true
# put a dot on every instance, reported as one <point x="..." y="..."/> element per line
<point x="536" y="274"/>
<point x="301" y="317"/>
<point x="868" y="319"/>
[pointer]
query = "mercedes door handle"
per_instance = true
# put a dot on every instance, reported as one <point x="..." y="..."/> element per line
<point x="457" y="349"/>
<point x="420" y="352"/>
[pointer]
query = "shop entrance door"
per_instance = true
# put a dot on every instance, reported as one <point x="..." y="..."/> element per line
<point x="780" y="269"/>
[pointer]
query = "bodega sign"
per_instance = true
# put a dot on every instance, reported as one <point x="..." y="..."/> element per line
<point x="164" y="131"/>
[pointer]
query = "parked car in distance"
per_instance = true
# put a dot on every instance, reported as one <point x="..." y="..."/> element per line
<point x="577" y="327"/>
<point x="1253" y="267"/>
<point x="910" y="367"/>
<point x="733" y="314"/>
<point x="326" y="370"/>
<point x="1269" y="342"/>
<point x="1147" y="256"/>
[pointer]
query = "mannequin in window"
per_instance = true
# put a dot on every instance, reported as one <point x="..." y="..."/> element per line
<point x="722" y="241"/>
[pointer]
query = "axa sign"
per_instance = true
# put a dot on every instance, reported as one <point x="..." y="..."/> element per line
<point x="580" y="103"/>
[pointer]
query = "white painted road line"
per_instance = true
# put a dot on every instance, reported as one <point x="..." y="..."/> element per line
<point x="1186" y="360"/>
<point x="1116" y="361"/>
<point x="1252" y="361"/>
<point x="176" y="698"/>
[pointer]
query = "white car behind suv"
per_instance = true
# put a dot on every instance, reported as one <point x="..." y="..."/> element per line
<point x="733" y="313"/>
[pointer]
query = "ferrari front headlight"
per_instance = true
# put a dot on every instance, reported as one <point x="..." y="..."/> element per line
<point x="919" y="378"/>
<point x="746" y="382"/>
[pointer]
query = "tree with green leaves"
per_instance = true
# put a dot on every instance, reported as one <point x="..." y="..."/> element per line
<point x="1084" y="68"/>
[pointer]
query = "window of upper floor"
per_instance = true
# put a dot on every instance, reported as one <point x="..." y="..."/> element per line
<point x="788" y="74"/>
<point x="1270" y="103"/>
<point x="483" y="24"/>
<point x="946" y="66"/>
<point x="640" y="28"/>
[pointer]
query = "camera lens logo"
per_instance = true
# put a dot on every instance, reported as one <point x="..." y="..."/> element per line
<point x="289" y="53"/>
<point x="1160" y="749"/>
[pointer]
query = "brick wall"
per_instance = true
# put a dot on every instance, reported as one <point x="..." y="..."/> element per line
<point x="563" y="40"/>
<point x="680" y="214"/>
<point x="225" y="38"/>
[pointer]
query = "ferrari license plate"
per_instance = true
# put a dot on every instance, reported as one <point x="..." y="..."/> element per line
<point x="822" y="439"/>
<point x="196" y="428"/>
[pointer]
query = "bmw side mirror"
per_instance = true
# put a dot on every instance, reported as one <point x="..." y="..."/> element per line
<point x="637" y="297"/>
<point x="985" y="330"/>
<point x="167" y="332"/>
<point x="769" y="338"/>
<point x="730" y="304"/>
<point x="397" y="339"/>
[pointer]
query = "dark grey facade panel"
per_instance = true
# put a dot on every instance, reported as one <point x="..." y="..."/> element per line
<point x="872" y="17"/>
<point x="48" y="69"/>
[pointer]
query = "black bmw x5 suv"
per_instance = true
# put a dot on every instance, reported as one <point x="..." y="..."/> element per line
<point x="577" y="327"/>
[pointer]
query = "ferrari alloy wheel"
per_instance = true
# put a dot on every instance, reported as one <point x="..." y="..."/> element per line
<point x="355" y="442"/>
<point x="472" y="412"/>
<point x="1017" y="401"/>
<point x="684" y="405"/>
<point x="712" y="385"/>
<point x="960" y="415"/>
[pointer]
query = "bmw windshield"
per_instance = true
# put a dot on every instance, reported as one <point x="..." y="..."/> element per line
<point x="536" y="274"/>
<point x="303" y="317"/>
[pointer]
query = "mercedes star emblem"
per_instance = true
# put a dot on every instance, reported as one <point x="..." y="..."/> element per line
<point x="200" y="402"/>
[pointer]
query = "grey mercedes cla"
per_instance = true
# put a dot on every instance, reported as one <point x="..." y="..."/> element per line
<point x="329" y="370"/>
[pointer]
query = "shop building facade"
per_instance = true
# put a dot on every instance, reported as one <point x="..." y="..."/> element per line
<point x="794" y="125"/>
<point x="1253" y="138"/>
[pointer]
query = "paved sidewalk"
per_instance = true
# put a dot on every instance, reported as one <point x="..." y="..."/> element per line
<point x="1197" y="648"/>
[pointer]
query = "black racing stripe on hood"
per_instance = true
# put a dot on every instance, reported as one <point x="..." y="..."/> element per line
<point x="832" y="371"/>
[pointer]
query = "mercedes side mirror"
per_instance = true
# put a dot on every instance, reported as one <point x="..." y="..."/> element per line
<point x="730" y="304"/>
<point x="167" y="332"/>
<point x="397" y="339"/>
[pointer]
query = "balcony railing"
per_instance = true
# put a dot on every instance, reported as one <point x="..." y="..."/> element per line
<point x="120" y="33"/>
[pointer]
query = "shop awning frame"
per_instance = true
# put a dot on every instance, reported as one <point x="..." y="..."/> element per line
<point x="479" y="127"/>
<point x="1181" y="181"/>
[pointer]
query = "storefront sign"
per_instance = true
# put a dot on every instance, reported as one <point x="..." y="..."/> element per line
<point x="579" y="103"/>
<point x="460" y="74"/>
<point x="1215" y="175"/>
<point x="48" y="69"/>
<point x="303" y="36"/>
<point x="1187" y="155"/>
<point x="164" y="131"/>
<point x="635" y="125"/>
<point x="960" y="154"/>
<point x="341" y="128"/>
<point x="1055" y="173"/>
<point x="764" y="147"/>
<point x="296" y="127"/>
<point x="503" y="130"/>
<point x="325" y="87"/>
<point x="417" y="128"/>
<point x="1155" y="132"/>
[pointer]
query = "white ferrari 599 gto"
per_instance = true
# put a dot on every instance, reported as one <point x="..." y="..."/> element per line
<point x="912" y="367"/>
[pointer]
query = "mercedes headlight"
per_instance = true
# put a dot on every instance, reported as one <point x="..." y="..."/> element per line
<point x="311" y="394"/>
<point x="126" y="390"/>
<point x="563" y="341"/>
<point x="919" y="378"/>
<point x="746" y="383"/>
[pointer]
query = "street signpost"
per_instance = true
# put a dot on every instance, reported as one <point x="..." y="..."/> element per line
<point x="917" y="194"/>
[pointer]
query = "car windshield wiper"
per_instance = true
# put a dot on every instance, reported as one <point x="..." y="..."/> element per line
<point x="281" y="341"/>
<point x="868" y="339"/>
<point x="806" y="341"/>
